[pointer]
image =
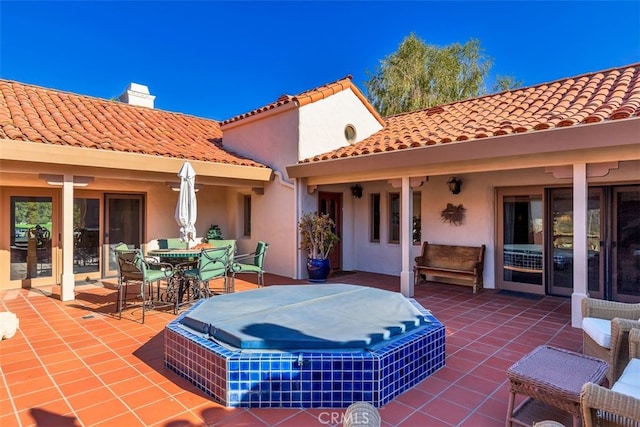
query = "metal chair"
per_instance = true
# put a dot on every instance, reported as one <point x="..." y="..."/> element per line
<point x="213" y="263"/>
<point x="251" y="263"/>
<point x="133" y="268"/>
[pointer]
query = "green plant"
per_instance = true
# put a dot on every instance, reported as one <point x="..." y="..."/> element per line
<point x="317" y="233"/>
<point x="213" y="233"/>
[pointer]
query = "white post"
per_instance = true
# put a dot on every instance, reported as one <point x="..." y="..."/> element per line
<point x="580" y="267"/>
<point x="67" y="291"/>
<point x="406" y="238"/>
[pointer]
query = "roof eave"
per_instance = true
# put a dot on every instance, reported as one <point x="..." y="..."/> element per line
<point x="480" y="154"/>
<point x="29" y="152"/>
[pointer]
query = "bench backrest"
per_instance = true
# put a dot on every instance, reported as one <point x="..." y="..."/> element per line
<point x="452" y="257"/>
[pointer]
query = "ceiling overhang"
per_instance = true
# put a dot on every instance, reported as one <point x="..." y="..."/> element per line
<point x="20" y="156"/>
<point x="555" y="147"/>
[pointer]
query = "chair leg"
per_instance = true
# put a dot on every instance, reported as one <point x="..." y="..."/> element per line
<point x="121" y="288"/>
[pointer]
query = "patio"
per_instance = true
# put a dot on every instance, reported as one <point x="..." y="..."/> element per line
<point x="76" y="364"/>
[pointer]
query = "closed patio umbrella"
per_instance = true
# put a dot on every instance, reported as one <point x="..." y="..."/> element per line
<point x="187" y="208"/>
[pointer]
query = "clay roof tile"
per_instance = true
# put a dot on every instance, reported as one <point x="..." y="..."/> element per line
<point x="590" y="98"/>
<point x="39" y="115"/>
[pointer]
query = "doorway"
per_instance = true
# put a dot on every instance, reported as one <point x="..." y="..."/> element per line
<point x="535" y="241"/>
<point x="33" y="238"/>
<point x="124" y="223"/>
<point x="331" y="203"/>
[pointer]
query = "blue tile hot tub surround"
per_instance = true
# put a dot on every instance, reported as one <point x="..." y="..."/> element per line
<point x="305" y="379"/>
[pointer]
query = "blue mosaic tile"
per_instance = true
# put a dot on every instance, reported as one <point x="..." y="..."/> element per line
<point x="308" y="380"/>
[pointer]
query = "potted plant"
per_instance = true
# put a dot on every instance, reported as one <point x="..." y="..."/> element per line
<point x="317" y="240"/>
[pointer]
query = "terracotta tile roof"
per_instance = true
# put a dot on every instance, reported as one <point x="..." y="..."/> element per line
<point x="39" y="115"/>
<point x="590" y="98"/>
<point x="310" y="96"/>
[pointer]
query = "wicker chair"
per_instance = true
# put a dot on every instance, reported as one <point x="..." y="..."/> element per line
<point x="603" y="407"/>
<point x="621" y="317"/>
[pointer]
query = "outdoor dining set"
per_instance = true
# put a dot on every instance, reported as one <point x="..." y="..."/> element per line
<point x="177" y="277"/>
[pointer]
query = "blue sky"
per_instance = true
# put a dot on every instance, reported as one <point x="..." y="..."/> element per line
<point x="218" y="59"/>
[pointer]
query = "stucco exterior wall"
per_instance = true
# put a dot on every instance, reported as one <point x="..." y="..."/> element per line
<point x="268" y="138"/>
<point x="273" y="221"/>
<point x="322" y="123"/>
<point x="478" y="196"/>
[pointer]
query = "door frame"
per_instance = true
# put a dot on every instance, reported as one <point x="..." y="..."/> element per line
<point x="325" y="199"/>
<point x="56" y="227"/>
<point x="110" y="268"/>
<point x="501" y="283"/>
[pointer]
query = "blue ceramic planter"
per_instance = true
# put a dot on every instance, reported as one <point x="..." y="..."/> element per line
<point x="318" y="269"/>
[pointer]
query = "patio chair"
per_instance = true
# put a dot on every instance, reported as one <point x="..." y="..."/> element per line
<point x="134" y="269"/>
<point x="251" y="263"/>
<point x="213" y="263"/>
<point x="605" y="332"/>
<point x="620" y="405"/>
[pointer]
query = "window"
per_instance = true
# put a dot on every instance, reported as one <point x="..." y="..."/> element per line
<point x="394" y="217"/>
<point x="374" y="232"/>
<point x="416" y="229"/>
<point x="247" y="216"/>
<point x="350" y="133"/>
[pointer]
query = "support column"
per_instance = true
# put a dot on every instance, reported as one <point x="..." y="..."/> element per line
<point x="67" y="287"/>
<point x="406" y="238"/>
<point x="580" y="267"/>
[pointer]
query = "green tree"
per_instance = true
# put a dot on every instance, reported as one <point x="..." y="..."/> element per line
<point x="503" y="83"/>
<point x="419" y="76"/>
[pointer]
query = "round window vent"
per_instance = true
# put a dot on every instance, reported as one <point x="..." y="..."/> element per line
<point x="350" y="133"/>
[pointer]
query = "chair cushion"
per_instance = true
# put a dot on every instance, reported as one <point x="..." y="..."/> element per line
<point x="598" y="329"/>
<point x="246" y="268"/>
<point x="153" y="275"/>
<point x="629" y="381"/>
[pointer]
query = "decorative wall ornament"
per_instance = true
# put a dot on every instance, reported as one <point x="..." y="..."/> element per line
<point x="453" y="214"/>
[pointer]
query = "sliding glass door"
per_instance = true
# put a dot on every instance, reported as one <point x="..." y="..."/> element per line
<point x="33" y="239"/>
<point x="520" y="253"/>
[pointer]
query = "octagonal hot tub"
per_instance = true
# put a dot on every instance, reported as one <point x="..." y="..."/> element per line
<point x="305" y="346"/>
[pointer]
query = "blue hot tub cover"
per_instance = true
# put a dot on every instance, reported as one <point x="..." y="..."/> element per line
<point x="300" y="317"/>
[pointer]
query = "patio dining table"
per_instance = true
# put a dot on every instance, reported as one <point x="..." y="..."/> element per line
<point x="180" y="290"/>
<point x="175" y="256"/>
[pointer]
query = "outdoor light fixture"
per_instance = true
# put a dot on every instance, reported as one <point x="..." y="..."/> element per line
<point x="454" y="184"/>
<point x="356" y="190"/>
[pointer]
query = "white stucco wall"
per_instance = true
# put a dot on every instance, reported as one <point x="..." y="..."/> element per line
<point x="322" y="123"/>
<point x="267" y="138"/>
<point x="477" y="196"/>
<point x="161" y="205"/>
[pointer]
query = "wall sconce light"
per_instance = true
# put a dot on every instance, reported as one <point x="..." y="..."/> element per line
<point x="356" y="190"/>
<point x="454" y="185"/>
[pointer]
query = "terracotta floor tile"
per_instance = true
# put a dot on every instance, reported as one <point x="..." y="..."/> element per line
<point x="104" y="410"/>
<point x="395" y="412"/>
<point x="160" y="410"/>
<point x="90" y="398"/>
<point x="112" y="371"/>
<point x="81" y="385"/>
<point x="445" y="411"/>
<point x="462" y="396"/>
<point x="55" y="413"/>
<point x="422" y="419"/>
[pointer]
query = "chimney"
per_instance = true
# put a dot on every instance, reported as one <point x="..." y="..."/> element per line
<point x="137" y="94"/>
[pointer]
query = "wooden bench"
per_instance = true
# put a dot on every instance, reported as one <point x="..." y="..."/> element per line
<point x="455" y="262"/>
